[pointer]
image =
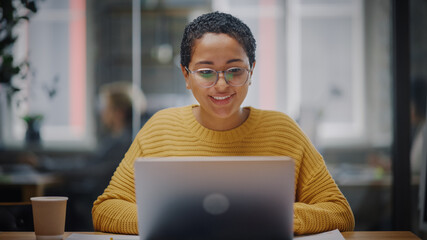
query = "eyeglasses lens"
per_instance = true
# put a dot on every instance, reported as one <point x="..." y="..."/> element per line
<point x="233" y="76"/>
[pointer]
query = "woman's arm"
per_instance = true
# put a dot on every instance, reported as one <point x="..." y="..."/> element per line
<point x="115" y="210"/>
<point x="320" y="206"/>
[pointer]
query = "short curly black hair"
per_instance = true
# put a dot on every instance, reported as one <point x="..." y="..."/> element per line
<point x="217" y="22"/>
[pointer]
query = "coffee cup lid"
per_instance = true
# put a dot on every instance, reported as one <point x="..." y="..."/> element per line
<point x="49" y="198"/>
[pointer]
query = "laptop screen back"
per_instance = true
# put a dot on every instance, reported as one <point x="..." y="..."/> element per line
<point x="215" y="197"/>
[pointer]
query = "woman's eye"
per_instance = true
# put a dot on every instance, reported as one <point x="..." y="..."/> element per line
<point x="235" y="71"/>
<point x="206" y="73"/>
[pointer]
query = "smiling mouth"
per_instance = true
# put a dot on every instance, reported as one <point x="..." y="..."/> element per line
<point x="221" y="98"/>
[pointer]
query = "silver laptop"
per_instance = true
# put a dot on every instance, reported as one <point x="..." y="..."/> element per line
<point x="215" y="197"/>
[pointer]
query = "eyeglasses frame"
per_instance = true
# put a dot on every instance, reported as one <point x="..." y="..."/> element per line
<point x="223" y="72"/>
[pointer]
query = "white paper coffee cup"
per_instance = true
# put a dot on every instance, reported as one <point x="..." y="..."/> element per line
<point x="49" y="217"/>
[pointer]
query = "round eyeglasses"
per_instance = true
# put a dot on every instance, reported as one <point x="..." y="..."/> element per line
<point x="207" y="78"/>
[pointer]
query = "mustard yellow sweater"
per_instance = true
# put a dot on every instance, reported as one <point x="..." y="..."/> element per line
<point x="319" y="204"/>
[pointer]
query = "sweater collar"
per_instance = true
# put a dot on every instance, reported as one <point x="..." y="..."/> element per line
<point x="228" y="136"/>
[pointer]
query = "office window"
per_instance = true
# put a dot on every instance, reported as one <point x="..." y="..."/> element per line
<point x="56" y="87"/>
<point x="326" y="72"/>
<point x="322" y="63"/>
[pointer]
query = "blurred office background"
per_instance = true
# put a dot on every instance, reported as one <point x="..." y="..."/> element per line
<point x="329" y="64"/>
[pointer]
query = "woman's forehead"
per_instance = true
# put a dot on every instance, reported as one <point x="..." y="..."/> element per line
<point x="215" y="38"/>
<point x="218" y="46"/>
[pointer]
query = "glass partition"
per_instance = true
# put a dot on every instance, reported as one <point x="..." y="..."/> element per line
<point x="327" y="64"/>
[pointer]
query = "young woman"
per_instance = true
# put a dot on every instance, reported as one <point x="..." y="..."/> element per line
<point x="217" y="60"/>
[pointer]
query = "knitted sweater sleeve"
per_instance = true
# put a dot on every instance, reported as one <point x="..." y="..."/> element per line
<point x="320" y="206"/>
<point x="115" y="210"/>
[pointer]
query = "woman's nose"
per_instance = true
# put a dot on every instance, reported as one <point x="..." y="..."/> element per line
<point x="221" y="80"/>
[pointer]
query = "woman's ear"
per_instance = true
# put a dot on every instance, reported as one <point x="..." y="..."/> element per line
<point x="253" y="67"/>
<point x="252" y="71"/>
<point x="184" y="71"/>
<point x="186" y="75"/>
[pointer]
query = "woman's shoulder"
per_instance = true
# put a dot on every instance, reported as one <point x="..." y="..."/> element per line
<point x="165" y="120"/>
<point x="167" y="117"/>
<point x="172" y="114"/>
<point x="272" y="116"/>
<point x="275" y="122"/>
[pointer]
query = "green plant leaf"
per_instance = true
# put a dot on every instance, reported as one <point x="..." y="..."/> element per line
<point x="10" y="16"/>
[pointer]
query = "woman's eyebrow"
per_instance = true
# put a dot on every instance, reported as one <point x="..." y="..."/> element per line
<point x="211" y="63"/>
<point x="235" y="60"/>
<point x="203" y="62"/>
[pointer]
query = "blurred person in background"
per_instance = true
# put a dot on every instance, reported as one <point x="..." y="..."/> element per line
<point x="86" y="177"/>
<point x="418" y="118"/>
<point x="418" y="111"/>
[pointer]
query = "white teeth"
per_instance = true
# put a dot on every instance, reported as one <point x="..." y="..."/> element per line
<point x="221" y="98"/>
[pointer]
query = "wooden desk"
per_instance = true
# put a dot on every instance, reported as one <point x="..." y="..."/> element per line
<point x="383" y="235"/>
<point x="29" y="185"/>
<point x="347" y="235"/>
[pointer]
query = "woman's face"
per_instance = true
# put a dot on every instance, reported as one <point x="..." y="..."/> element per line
<point x="218" y="52"/>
